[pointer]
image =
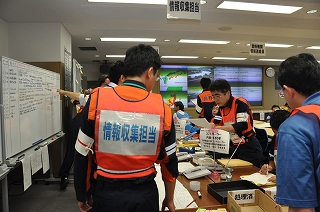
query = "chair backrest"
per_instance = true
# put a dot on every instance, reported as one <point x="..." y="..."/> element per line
<point x="262" y="136"/>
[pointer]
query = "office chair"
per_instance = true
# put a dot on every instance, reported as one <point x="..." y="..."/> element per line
<point x="263" y="138"/>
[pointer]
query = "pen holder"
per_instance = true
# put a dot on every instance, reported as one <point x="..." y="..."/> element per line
<point x="215" y="175"/>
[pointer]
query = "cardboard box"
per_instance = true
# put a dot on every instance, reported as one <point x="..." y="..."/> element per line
<point x="220" y="190"/>
<point x="251" y="201"/>
<point x="272" y="194"/>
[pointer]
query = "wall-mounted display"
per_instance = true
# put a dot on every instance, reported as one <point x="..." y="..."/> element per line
<point x="182" y="82"/>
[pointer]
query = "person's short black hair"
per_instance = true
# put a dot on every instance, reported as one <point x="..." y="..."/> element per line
<point x="302" y="73"/>
<point x="180" y="105"/>
<point x="274" y="106"/>
<point x="115" y="72"/>
<point x="220" y="85"/>
<point x="139" y="58"/>
<point x="101" y="79"/>
<point x="205" y="82"/>
<point x="278" y="117"/>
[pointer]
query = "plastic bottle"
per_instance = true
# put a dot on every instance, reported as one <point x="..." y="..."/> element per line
<point x="228" y="174"/>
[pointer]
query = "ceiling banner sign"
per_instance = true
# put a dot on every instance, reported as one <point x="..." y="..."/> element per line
<point x="188" y="9"/>
<point x="257" y="49"/>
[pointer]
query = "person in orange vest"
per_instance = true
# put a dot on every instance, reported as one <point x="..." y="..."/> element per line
<point x="298" y="174"/>
<point x="115" y="77"/>
<point x="286" y="107"/>
<point x="205" y="101"/>
<point x="235" y="116"/>
<point x="128" y="129"/>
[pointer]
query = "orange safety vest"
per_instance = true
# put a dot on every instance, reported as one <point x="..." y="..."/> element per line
<point x="315" y="109"/>
<point x="205" y="97"/>
<point x="229" y="117"/>
<point x="128" y="134"/>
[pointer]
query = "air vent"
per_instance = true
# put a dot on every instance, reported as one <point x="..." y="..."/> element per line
<point x="88" y="48"/>
<point x="96" y="61"/>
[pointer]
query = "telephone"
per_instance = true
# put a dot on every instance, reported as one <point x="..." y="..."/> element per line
<point x="196" y="172"/>
<point x="210" y="164"/>
<point x="183" y="156"/>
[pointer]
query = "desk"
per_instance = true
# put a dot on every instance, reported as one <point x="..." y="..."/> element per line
<point x="260" y="124"/>
<point x="206" y="200"/>
<point x="237" y="172"/>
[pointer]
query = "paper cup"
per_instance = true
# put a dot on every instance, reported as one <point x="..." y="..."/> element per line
<point x="195" y="185"/>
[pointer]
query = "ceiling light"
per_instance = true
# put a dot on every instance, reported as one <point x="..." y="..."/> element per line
<point x="179" y="57"/>
<point x="268" y="8"/>
<point x="129" y="39"/>
<point x="228" y="58"/>
<point x="299" y="46"/>
<point x="87" y="38"/>
<point x="313" y="47"/>
<point x="272" y="60"/>
<point x="97" y="55"/>
<point x="203" y="41"/>
<point x="238" y="43"/>
<point x="114" y="55"/>
<point x="311" y="11"/>
<point x="278" y="45"/>
<point x="160" y="2"/>
<point x="167" y="40"/>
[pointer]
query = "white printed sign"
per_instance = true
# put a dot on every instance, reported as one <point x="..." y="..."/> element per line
<point x="215" y="140"/>
<point x="244" y="196"/>
<point x="257" y="49"/>
<point x="188" y="9"/>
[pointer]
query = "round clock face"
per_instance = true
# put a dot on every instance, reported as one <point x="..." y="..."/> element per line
<point x="270" y="72"/>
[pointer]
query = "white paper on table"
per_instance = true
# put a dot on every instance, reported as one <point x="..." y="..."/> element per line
<point x="182" y="197"/>
<point x="257" y="178"/>
<point x="263" y="125"/>
<point x="182" y="166"/>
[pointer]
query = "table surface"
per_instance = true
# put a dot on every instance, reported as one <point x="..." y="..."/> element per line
<point x="207" y="201"/>
<point x="257" y="124"/>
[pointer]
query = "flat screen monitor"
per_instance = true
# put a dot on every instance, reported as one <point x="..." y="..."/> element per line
<point x="182" y="83"/>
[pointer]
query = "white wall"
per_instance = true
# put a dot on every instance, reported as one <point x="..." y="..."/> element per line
<point x="35" y="42"/>
<point x="4" y="38"/>
<point x="65" y="42"/>
<point x="91" y="71"/>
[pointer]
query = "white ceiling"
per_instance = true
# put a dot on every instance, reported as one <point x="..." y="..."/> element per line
<point x="95" y="20"/>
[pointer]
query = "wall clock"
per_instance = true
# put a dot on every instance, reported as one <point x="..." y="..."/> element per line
<point x="270" y="72"/>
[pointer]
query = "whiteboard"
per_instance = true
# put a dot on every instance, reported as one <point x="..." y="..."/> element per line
<point x="31" y="103"/>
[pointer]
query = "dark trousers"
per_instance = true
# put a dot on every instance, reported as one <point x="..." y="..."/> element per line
<point x="126" y="197"/>
<point x="69" y="156"/>
<point x="250" y="151"/>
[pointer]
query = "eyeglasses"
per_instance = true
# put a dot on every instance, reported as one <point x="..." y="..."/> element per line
<point x="218" y="96"/>
<point x="158" y="78"/>
<point x="281" y="93"/>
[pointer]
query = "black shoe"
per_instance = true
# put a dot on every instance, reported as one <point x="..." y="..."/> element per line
<point x="64" y="182"/>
